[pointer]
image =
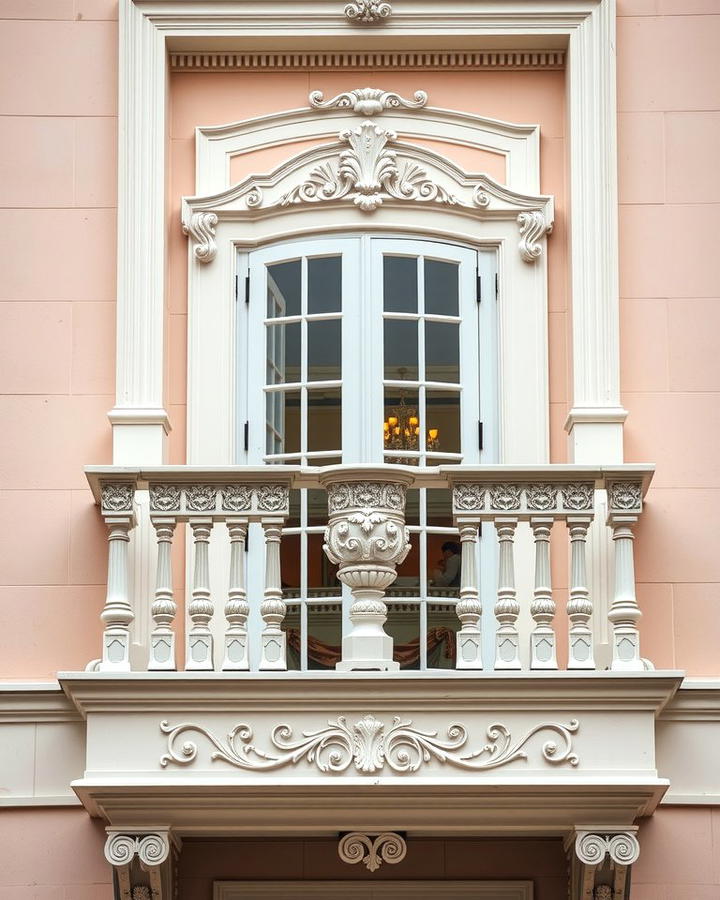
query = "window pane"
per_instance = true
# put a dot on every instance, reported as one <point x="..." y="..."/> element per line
<point x="439" y="508"/>
<point x="403" y="625"/>
<point x="325" y="284"/>
<point x="322" y="574"/>
<point x="317" y="507"/>
<point x="290" y="565"/>
<point x="401" y="425"/>
<point x="283" y="353"/>
<point x="291" y="627"/>
<point x="407" y="583"/>
<point x="442" y="351"/>
<point x="441" y="288"/>
<point x="283" y="420"/>
<point x="324" y="420"/>
<point x="400" y="284"/>
<point x="401" y="349"/>
<point x="293" y="520"/>
<point x="283" y="289"/>
<point x="442" y="417"/>
<point x="412" y="507"/>
<point x="444" y="564"/>
<point x="324" y="350"/>
<point x="324" y="635"/>
<point x="443" y="625"/>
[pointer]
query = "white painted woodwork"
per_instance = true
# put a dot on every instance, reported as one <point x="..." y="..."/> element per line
<point x="237" y="608"/>
<point x="580" y="607"/>
<point x="624" y="612"/>
<point x="273" y="607"/>
<point x="164" y="608"/>
<point x="542" y="640"/>
<point x="469" y="606"/>
<point x="117" y="614"/>
<point x="199" y="654"/>
<point x="507" y="608"/>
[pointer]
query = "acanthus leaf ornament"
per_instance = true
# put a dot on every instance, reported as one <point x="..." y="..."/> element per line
<point x="201" y="228"/>
<point x="578" y="495"/>
<point x="117" y="496"/>
<point x="164" y="497"/>
<point x="468" y="497"/>
<point x="369" y="745"/>
<point x="533" y="227"/>
<point x="625" y="496"/>
<point x="367" y="101"/>
<point x="369" y="12"/>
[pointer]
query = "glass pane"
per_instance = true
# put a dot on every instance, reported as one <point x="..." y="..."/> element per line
<point x="322" y="574"/>
<point x="444" y="558"/>
<point x="283" y="421"/>
<point x="401" y="425"/>
<point x="324" y="422"/>
<point x="400" y="292"/>
<point x="401" y="350"/>
<point x="283" y="289"/>
<point x="324" y="350"/>
<point x="293" y="520"/>
<point x="403" y="625"/>
<point x="407" y="583"/>
<point x="439" y="508"/>
<point x="317" y="507"/>
<point x="291" y="627"/>
<point x="412" y="507"/>
<point x="442" y="351"/>
<point x="283" y="353"/>
<point x="324" y="635"/>
<point x="290" y="566"/>
<point x="443" y="625"/>
<point x="442" y="417"/>
<point x="325" y="284"/>
<point x="441" y="288"/>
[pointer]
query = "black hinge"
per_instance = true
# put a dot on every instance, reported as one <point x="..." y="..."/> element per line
<point x="479" y="288"/>
<point x="480" y="435"/>
<point x="497" y="285"/>
<point x="237" y="288"/>
<point x="247" y="288"/>
<point x="246" y="433"/>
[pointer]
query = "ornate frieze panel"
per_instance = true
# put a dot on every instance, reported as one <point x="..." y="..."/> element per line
<point x="492" y="499"/>
<point x="372" y="850"/>
<point x="625" y="497"/>
<point x="370" y="745"/>
<point x="186" y="500"/>
<point x="116" y="497"/>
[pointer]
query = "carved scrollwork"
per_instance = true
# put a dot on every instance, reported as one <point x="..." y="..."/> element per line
<point x="366" y="536"/>
<point x="373" y="850"/>
<point x="201" y="228"/>
<point x="468" y="497"/>
<point x="622" y="847"/>
<point x="368" y="101"/>
<point x="152" y="849"/>
<point x="504" y="497"/>
<point x="236" y="497"/>
<point x="272" y="497"/>
<point x="344" y="495"/>
<point x="578" y="495"/>
<point x="533" y="226"/>
<point x="164" y="497"/>
<point x="369" y="745"/>
<point x="201" y="497"/>
<point x="625" y="495"/>
<point x="541" y="496"/>
<point x="117" y="496"/>
<point x="368" y="12"/>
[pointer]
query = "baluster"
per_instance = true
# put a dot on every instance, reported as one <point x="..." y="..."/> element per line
<point x="199" y="655"/>
<point x="237" y="607"/>
<point x="273" y="608"/>
<point x="507" y="609"/>
<point x="580" y="607"/>
<point x="117" y="614"/>
<point x="542" y="608"/>
<point x="162" y="639"/>
<point x="624" y="611"/>
<point x="469" y="606"/>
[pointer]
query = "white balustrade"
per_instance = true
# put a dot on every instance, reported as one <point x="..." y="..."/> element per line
<point x="367" y="538"/>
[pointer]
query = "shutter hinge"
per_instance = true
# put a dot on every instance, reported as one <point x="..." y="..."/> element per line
<point x="479" y="288"/>
<point x="480" y="435"/>
<point x="247" y="288"/>
<point x="497" y="285"/>
<point x="246" y="434"/>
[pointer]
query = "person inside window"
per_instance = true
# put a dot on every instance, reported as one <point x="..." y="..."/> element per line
<point x="447" y="571"/>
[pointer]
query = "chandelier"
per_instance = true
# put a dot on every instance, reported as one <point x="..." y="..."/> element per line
<point x="401" y="429"/>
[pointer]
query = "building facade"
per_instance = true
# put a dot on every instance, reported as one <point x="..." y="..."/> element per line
<point x="359" y="397"/>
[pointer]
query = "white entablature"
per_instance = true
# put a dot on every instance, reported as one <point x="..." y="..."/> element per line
<point x="369" y="167"/>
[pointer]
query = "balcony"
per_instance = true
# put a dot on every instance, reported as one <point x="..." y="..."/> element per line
<point x="218" y="736"/>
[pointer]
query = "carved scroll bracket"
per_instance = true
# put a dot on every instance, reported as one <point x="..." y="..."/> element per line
<point x="142" y="857"/>
<point x="601" y="862"/>
<point x="372" y="850"/>
<point x="368" y="101"/>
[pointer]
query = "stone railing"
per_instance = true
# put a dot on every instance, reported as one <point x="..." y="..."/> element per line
<point x="366" y="538"/>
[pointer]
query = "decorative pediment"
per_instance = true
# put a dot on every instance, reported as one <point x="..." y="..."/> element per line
<point x="369" y="168"/>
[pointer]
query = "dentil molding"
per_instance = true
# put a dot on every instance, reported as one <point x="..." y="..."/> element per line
<point x="368" y="744"/>
<point x="373" y="850"/>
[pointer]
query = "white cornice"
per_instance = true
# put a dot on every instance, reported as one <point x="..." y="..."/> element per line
<point x="218" y="691"/>
<point x="695" y="701"/>
<point x="35" y="702"/>
<point x="376" y="61"/>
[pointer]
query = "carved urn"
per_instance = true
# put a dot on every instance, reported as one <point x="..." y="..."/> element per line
<point x="367" y="538"/>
